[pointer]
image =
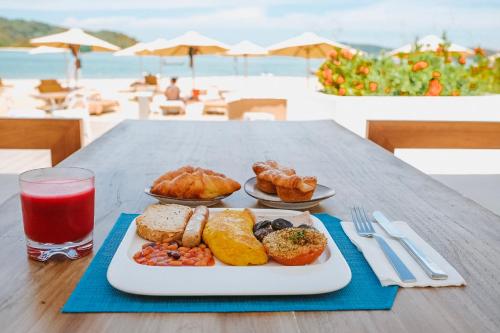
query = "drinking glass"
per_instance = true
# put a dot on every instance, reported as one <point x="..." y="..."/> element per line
<point x="58" y="212"/>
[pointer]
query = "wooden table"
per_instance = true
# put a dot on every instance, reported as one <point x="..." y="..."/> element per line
<point x="130" y="156"/>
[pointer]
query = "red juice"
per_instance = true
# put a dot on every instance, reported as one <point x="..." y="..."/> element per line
<point x="58" y="211"/>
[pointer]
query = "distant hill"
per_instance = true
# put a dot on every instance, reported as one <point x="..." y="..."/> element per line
<point x="18" y="33"/>
<point x="368" y="48"/>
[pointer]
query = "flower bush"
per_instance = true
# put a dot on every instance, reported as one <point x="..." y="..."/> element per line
<point x="439" y="73"/>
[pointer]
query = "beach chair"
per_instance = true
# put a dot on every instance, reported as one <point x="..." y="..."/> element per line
<point x="151" y="80"/>
<point x="149" y="83"/>
<point x="168" y="107"/>
<point x="51" y="85"/>
<point x="236" y="110"/>
<point x="52" y="93"/>
<point x="3" y="85"/>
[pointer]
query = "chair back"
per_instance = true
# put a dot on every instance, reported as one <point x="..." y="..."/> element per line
<point x="48" y="86"/>
<point x="276" y="107"/>
<point x="393" y="134"/>
<point x="62" y="136"/>
<point x="151" y="80"/>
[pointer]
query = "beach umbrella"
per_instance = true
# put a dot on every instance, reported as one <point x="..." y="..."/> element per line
<point x="134" y="50"/>
<point x="73" y="39"/>
<point x="307" y="45"/>
<point x="191" y="43"/>
<point x="47" y="49"/>
<point x="429" y="43"/>
<point x="246" y="49"/>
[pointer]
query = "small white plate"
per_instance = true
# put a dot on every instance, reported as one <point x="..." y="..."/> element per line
<point x="328" y="273"/>
<point x="187" y="202"/>
<point x="271" y="200"/>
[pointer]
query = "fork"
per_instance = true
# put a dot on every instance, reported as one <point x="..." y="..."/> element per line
<point x="364" y="228"/>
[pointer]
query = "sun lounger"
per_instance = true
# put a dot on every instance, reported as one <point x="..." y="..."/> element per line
<point x="173" y="107"/>
<point x="217" y="107"/>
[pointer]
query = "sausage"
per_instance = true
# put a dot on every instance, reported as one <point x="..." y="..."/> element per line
<point x="194" y="227"/>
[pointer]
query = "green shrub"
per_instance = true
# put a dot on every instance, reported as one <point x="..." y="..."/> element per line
<point x="439" y="73"/>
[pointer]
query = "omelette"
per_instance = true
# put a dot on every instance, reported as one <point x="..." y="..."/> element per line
<point x="229" y="235"/>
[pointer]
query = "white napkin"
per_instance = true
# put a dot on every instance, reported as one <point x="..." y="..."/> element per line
<point x="383" y="268"/>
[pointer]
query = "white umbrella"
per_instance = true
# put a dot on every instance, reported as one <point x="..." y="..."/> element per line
<point x="246" y="49"/>
<point x="47" y="49"/>
<point x="307" y="45"/>
<point x="429" y="43"/>
<point x="134" y="50"/>
<point x="191" y="43"/>
<point x="131" y="50"/>
<point x="72" y="39"/>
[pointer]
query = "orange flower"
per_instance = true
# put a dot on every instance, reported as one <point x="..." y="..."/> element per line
<point x="436" y="74"/>
<point x="342" y="91"/>
<point x="346" y="54"/>
<point x="479" y="51"/>
<point x="333" y="54"/>
<point x="328" y="82"/>
<point x="336" y="63"/>
<point x="435" y="88"/>
<point x="455" y="93"/>
<point x="363" y="70"/>
<point x="419" y="66"/>
<point x="373" y="86"/>
<point x="327" y="74"/>
<point x="462" y="60"/>
<point x="359" y="86"/>
<point x="340" y="79"/>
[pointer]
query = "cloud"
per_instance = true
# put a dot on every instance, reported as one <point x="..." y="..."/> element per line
<point x="96" y="5"/>
<point x="387" y="22"/>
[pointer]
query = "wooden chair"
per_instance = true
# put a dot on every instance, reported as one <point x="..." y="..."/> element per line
<point x="48" y="86"/>
<point x="151" y="80"/>
<point x="434" y="134"/>
<point x="62" y="136"/>
<point x="276" y="107"/>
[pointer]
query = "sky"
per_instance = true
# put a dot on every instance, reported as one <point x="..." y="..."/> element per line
<point x="388" y="23"/>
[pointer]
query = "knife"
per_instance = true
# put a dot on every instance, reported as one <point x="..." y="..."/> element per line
<point x="430" y="267"/>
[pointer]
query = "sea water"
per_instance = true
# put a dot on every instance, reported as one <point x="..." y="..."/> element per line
<point x="22" y="65"/>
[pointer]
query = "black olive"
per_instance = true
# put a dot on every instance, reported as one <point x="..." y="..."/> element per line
<point x="263" y="232"/>
<point x="306" y="226"/>
<point x="279" y="224"/>
<point x="261" y="224"/>
<point x="174" y="254"/>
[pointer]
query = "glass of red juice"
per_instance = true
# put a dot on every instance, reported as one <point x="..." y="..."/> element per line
<point x="58" y="212"/>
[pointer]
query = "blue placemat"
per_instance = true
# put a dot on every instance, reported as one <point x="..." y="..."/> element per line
<point x="94" y="294"/>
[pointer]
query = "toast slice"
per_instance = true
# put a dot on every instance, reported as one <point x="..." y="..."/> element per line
<point x="163" y="223"/>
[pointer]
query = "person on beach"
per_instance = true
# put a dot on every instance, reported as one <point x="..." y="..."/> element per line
<point x="173" y="92"/>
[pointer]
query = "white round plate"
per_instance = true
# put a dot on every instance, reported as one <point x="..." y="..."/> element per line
<point x="271" y="200"/>
<point x="186" y="202"/>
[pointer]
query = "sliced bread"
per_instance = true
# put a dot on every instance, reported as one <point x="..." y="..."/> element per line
<point x="163" y="223"/>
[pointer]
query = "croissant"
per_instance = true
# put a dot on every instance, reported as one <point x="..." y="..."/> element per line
<point x="294" y="188"/>
<point x="194" y="183"/>
<point x="266" y="172"/>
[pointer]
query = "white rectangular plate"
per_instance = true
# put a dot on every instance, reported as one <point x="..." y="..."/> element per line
<point x="330" y="272"/>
